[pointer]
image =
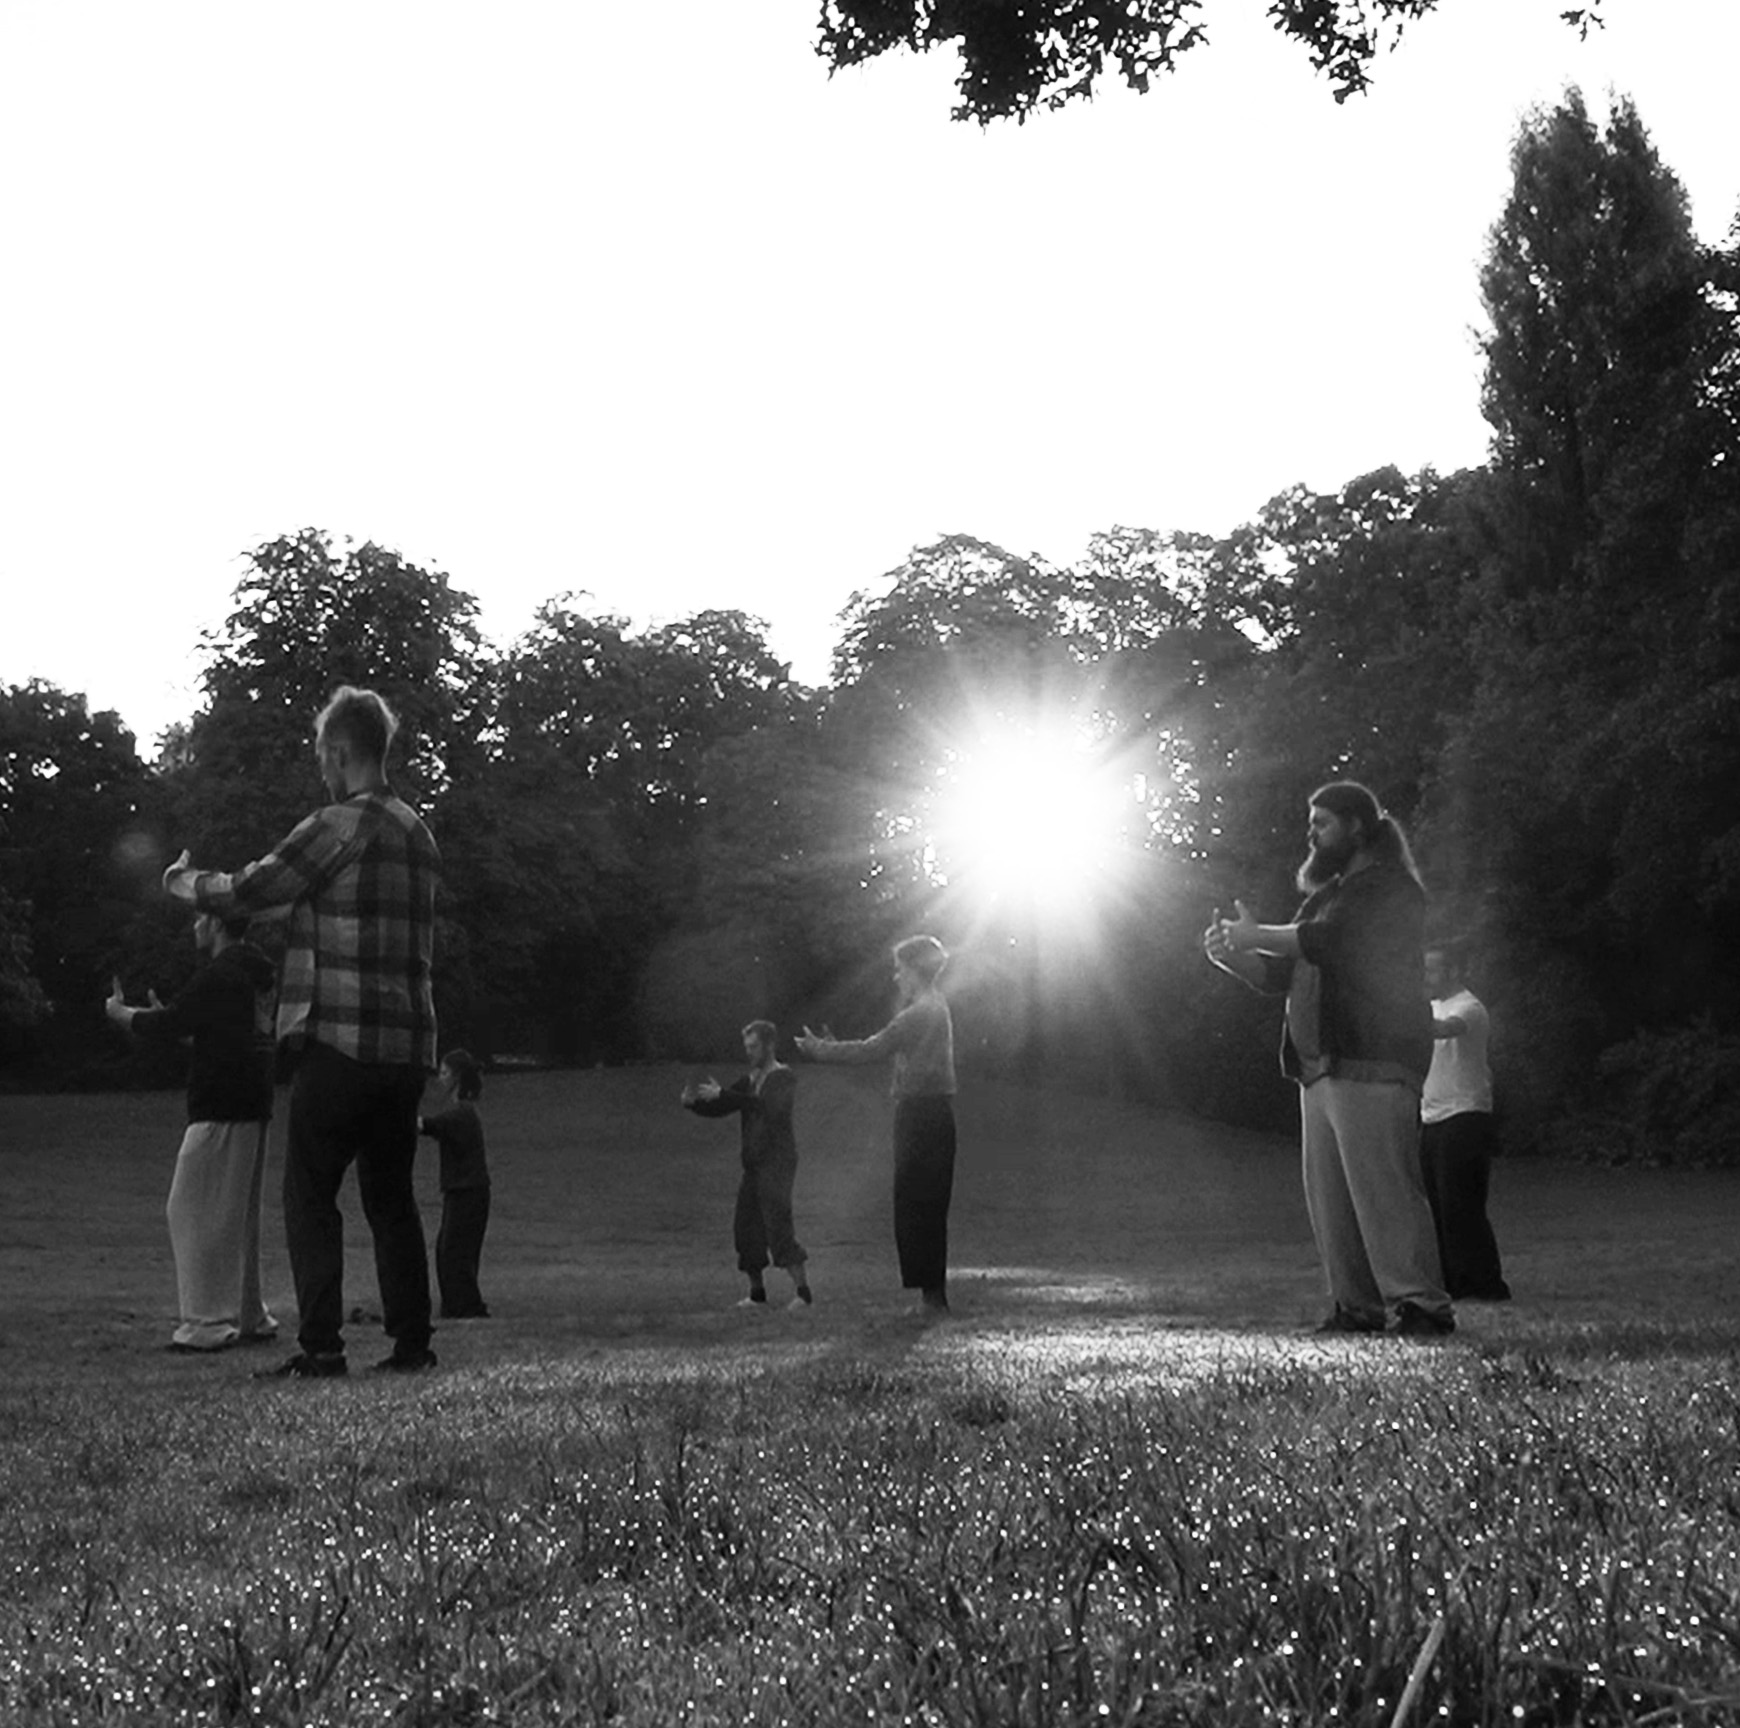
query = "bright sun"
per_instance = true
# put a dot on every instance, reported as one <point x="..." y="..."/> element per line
<point x="1027" y="814"/>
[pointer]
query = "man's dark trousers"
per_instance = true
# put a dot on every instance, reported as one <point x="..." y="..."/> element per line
<point x="1456" y="1159"/>
<point x="343" y="1111"/>
<point x="924" y="1180"/>
<point x="762" y="1230"/>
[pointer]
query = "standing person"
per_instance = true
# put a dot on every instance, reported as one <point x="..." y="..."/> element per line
<point x="457" y="1129"/>
<point x="1358" y="1040"/>
<point x="921" y="1040"/>
<point x="761" y="1225"/>
<point x="355" y="1007"/>
<point x="214" y="1196"/>
<point x="1457" y="1137"/>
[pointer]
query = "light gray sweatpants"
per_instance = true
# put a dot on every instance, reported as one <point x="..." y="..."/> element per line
<point x="1367" y="1196"/>
<point x="214" y="1230"/>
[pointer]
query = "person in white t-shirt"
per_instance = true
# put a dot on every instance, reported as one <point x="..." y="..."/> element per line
<point x="1457" y="1137"/>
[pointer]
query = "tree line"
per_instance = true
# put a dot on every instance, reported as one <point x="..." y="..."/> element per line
<point x="651" y="836"/>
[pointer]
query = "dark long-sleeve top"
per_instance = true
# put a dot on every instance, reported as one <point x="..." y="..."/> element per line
<point x="1357" y="1007"/>
<point x="458" y="1131"/>
<point x="225" y="1010"/>
<point x="769" y="1136"/>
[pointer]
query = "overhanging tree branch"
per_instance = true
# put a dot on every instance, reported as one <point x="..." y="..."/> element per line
<point x="1018" y="56"/>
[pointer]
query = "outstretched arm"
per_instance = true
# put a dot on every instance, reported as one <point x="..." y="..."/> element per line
<point x="816" y="1045"/>
<point x="823" y="1046"/>
<point x="196" y="1004"/>
<point x="1217" y="946"/>
<point x="116" y="1007"/>
<point x="1246" y="936"/>
<point x="313" y="850"/>
<point x="709" y="1098"/>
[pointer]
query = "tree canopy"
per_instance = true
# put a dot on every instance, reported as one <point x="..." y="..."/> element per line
<point x="1040" y="54"/>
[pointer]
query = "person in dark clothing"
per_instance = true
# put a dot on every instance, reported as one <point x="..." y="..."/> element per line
<point x="1357" y="1038"/>
<point x="457" y="1129"/>
<point x="214" y="1197"/>
<point x="356" y="1009"/>
<point x="762" y="1100"/>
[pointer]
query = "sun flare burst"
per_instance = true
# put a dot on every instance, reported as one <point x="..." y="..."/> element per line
<point x="1030" y="814"/>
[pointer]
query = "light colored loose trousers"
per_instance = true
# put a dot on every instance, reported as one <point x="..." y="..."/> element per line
<point x="214" y="1231"/>
<point x="1366" y="1193"/>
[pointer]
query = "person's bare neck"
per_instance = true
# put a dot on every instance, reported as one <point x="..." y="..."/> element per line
<point x="373" y="778"/>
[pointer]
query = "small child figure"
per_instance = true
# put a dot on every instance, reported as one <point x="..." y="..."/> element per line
<point x="458" y="1130"/>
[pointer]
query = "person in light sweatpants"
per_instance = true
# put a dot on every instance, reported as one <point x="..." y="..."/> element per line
<point x="214" y="1196"/>
<point x="1358" y="1040"/>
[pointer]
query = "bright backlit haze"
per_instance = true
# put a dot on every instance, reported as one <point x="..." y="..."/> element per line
<point x="636" y="301"/>
<point x="1031" y="814"/>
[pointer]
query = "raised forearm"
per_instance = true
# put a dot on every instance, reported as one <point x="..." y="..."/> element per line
<point x="1281" y="940"/>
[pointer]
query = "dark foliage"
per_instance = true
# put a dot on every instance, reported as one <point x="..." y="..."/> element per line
<point x="1039" y="54"/>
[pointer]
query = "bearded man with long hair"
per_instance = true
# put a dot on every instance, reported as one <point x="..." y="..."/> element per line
<point x="1358" y="1040"/>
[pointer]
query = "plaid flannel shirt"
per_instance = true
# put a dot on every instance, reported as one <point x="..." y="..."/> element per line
<point x="359" y="879"/>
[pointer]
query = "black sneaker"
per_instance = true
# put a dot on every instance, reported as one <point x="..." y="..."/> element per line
<point x="1344" y="1320"/>
<point x="1413" y="1321"/>
<point x="406" y="1362"/>
<point x="303" y="1366"/>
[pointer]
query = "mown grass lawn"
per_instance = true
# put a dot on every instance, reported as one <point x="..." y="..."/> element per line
<point x="1122" y="1485"/>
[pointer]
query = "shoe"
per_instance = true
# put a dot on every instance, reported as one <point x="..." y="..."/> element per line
<point x="1344" y="1320"/>
<point x="757" y="1298"/>
<point x="267" y="1335"/>
<point x="800" y="1302"/>
<point x="302" y="1366"/>
<point x="1413" y="1321"/>
<point x="176" y="1348"/>
<point x="406" y="1362"/>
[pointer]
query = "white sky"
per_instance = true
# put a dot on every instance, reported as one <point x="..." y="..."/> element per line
<point x="568" y="294"/>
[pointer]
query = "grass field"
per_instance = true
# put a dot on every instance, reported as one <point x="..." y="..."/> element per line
<point x="1121" y="1485"/>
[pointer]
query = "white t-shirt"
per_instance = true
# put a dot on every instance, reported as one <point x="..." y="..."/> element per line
<point x="1459" y="1079"/>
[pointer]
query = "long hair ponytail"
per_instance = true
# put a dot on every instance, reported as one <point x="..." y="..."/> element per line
<point x="1384" y="838"/>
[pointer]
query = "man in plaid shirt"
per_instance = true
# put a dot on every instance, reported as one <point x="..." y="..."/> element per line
<point x="355" y="1005"/>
